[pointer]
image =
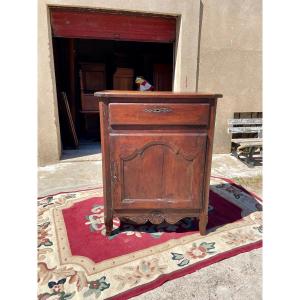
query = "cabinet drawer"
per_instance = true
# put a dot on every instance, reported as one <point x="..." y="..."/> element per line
<point x="158" y="114"/>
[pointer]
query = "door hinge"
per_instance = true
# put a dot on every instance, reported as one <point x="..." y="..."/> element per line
<point x="114" y="171"/>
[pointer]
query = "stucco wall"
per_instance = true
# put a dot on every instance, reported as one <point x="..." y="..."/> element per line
<point x="49" y="146"/>
<point x="230" y="60"/>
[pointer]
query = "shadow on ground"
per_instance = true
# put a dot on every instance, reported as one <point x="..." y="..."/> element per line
<point x="85" y="150"/>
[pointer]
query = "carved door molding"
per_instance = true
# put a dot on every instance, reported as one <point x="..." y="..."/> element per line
<point x="157" y="170"/>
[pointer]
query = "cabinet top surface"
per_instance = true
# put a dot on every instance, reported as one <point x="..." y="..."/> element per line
<point x="152" y="94"/>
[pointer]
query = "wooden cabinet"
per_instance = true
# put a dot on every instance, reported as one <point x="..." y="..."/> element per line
<point x="123" y="79"/>
<point x="92" y="78"/>
<point x="162" y="77"/>
<point x="156" y="152"/>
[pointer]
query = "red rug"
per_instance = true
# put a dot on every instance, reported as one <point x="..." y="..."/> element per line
<point x="77" y="260"/>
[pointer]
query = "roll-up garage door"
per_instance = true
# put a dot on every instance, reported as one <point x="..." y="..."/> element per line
<point x="96" y="24"/>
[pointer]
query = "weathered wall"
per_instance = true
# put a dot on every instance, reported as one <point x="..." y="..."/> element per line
<point x="230" y="60"/>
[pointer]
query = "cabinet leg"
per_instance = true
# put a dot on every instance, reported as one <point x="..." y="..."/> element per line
<point x="108" y="226"/>
<point x="202" y="223"/>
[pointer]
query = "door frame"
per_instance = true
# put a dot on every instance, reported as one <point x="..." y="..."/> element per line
<point x="185" y="69"/>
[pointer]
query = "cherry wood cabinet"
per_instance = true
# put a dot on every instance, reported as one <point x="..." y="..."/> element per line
<point x="163" y="77"/>
<point x="92" y="78"/>
<point x="156" y="153"/>
<point x="123" y="79"/>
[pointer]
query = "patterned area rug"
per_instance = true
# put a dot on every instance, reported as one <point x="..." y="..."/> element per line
<point x="76" y="260"/>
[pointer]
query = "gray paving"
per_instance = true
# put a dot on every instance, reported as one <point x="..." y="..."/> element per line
<point x="236" y="278"/>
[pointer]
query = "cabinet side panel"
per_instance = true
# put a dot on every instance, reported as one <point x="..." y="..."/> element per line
<point x="105" y="159"/>
<point x="210" y="141"/>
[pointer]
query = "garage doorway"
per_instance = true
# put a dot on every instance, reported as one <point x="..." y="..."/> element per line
<point x="94" y="50"/>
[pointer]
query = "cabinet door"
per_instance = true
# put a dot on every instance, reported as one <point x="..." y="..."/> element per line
<point x="152" y="170"/>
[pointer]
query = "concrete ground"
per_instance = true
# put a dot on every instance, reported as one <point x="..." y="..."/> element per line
<point x="237" y="278"/>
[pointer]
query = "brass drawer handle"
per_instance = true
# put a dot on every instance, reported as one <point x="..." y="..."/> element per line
<point x="158" y="110"/>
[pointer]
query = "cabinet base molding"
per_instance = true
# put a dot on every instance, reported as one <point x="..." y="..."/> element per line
<point x="156" y="218"/>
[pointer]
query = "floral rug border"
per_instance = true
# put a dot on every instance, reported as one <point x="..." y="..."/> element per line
<point x="189" y="269"/>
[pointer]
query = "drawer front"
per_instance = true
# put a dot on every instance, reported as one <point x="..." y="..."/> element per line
<point x="158" y="114"/>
